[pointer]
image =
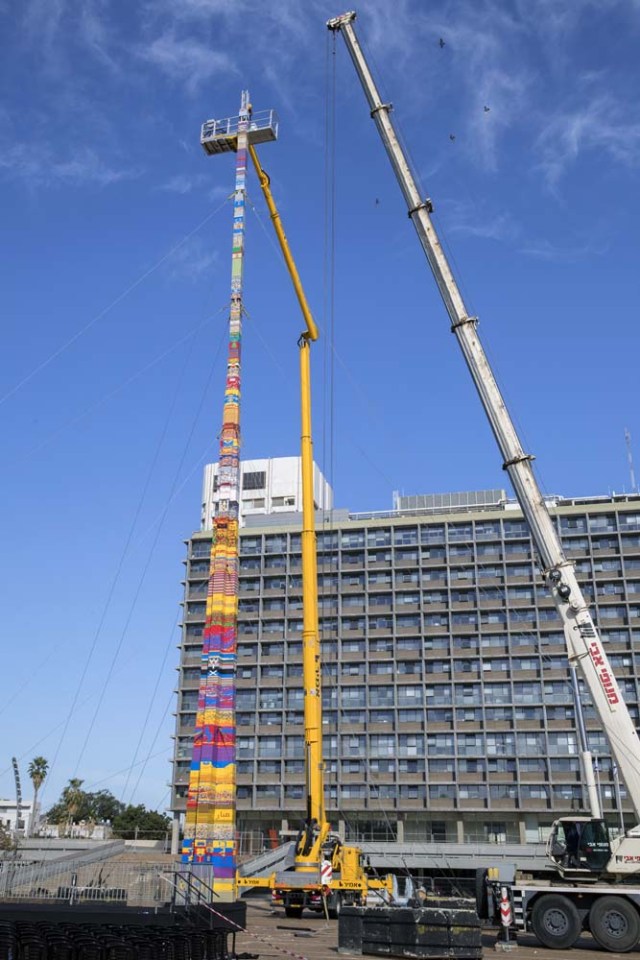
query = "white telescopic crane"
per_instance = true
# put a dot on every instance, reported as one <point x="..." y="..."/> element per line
<point x="584" y="646"/>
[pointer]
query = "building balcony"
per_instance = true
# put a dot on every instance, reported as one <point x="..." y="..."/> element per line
<point x="435" y="803"/>
<point x="473" y="803"/>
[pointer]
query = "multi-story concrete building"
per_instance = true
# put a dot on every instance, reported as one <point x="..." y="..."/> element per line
<point x="448" y="712"/>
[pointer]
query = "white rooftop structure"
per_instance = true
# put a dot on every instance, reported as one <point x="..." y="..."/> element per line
<point x="268" y="486"/>
<point x="9" y="815"/>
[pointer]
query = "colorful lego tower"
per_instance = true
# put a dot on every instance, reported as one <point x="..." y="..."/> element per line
<point x="210" y="824"/>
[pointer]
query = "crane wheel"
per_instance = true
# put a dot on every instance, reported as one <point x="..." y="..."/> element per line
<point x="555" y="921"/>
<point x="615" y="924"/>
<point x="293" y="911"/>
<point x="334" y="905"/>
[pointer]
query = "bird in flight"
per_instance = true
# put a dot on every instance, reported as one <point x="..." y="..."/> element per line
<point x="452" y="136"/>
<point x="486" y="109"/>
<point x="441" y="43"/>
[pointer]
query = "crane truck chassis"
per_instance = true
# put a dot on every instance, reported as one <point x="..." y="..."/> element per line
<point x="558" y="913"/>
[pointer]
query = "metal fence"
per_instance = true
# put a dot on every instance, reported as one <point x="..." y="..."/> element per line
<point x="131" y="883"/>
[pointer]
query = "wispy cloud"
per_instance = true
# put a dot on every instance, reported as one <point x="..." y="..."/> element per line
<point x="193" y="259"/>
<point x="95" y="32"/>
<point x="186" y="60"/>
<point x="58" y="26"/>
<point x="42" y="18"/>
<point x="183" y="183"/>
<point x="475" y="221"/>
<point x="38" y="166"/>
<point x="603" y="125"/>
<point x="478" y="221"/>
<point x="563" y="253"/>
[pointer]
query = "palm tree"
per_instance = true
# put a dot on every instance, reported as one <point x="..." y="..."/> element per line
<point x="37" y="769"/>
<point x="72" y="796"/>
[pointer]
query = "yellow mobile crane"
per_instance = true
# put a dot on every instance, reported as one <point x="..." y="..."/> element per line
<point x="325" y="873"/>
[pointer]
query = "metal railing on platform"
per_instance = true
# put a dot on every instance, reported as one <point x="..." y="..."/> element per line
<point x="136" y="884"/>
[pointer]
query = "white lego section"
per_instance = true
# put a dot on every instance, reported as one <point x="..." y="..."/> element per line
<point x="281" y="491"/>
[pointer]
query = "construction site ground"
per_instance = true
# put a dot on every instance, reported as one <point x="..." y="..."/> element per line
<point x="271" y="936"/>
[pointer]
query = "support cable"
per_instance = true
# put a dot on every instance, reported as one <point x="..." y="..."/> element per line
<point x="159" y="527"/>
<point x="149" y="709"/>
<point x="96" y="404"/>
<point x="109" y="598"/>
<point x="102" y="313"/>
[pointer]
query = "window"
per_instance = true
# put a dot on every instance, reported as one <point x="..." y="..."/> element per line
<point x="381" y="716"/>
<point x="380" y="667"/>
<point x="503" y="791"/>
<point x="353" y="716"/>
<point x="439" y="744"/>
<point x="500" y="744"/>
<point x="254" y="480"/>
<point x="378" y="538"/>
<point x="441" y="791"/>
<point x="603" y="523"/>
<point x="382" y="745"/>
<point x="409" y="696"/>
<point x="353" y="745"/>
<point x="460" y="531"/>
<point x="381" y="696"/>
<point x="408" y="621"/>
<point x="404" y="643"/>
<point x="353" y="696"/>
<point x="353" y="600"/>
<point x="353" y="539"/>
<point x="405" y="536"/>
<point x="379" y="600"/>
<point x="352" y="791"/>
<point x="472" y="791"/>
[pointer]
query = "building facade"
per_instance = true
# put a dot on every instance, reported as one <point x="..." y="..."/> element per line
<point x="268" y="486"/>
<point x="448" y="710"/>
<point x="14" y="821"/>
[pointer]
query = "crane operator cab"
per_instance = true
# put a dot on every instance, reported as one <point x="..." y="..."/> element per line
<point x="579" y="847"/>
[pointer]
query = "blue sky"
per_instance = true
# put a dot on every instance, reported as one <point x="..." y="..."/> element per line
<point x="114" y="282"/>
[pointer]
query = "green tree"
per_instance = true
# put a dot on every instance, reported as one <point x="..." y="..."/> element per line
<point x="7" y="843"/>
<point x="72" y="806"/>
<point x="37" y="769"/>
<point x="104" y="806"/>
<point x="138" y="821"/>
<point x="76" y="804"/>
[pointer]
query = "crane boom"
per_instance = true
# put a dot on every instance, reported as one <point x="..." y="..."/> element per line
<point x="584" y="646"/>
<point x="310" y="633"/>
<point x="325" y="869"/>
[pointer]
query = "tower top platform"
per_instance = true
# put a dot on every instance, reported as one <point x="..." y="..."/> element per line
<point x="221" y="136"/>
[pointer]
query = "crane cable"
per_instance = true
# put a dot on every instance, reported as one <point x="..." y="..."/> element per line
<point x="328" y="384"/>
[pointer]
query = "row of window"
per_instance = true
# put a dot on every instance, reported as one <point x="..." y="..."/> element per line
<point x="293" y="648"/>
<point x="411" y="592"/>
<point x="442" y="619"/>
<point x="279" y="795"/>
<point x="438" y="533"/>
<point x="418" y="791"/>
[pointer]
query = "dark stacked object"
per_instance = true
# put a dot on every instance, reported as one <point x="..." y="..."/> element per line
<point x="23" y="940"/>
<point x="442" y="928"/>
